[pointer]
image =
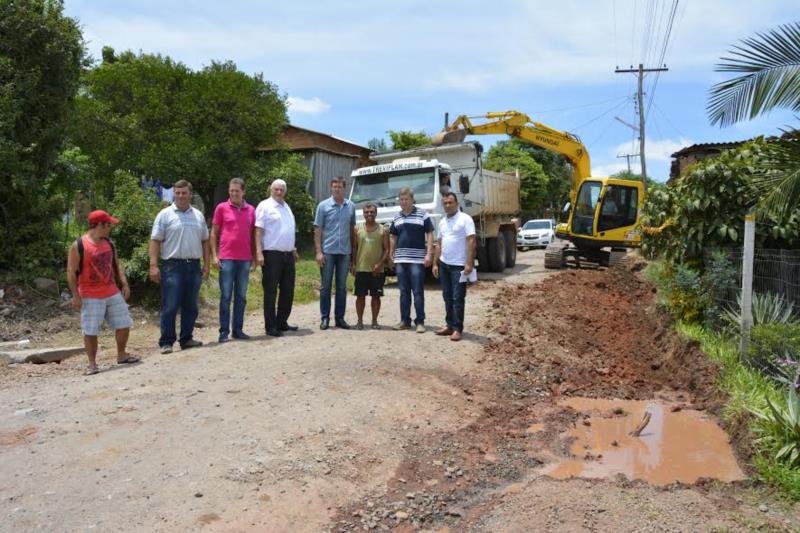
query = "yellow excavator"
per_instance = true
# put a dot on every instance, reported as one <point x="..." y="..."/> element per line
<point x="603" y="213"/>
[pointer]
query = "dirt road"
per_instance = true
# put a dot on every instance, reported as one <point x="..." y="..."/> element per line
<point x="345" y="430"/>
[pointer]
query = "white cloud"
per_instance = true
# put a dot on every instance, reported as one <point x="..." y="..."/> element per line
<point x="657" y="151"/>
<point x="311" y="106"/>
<point x="570" y="42"/>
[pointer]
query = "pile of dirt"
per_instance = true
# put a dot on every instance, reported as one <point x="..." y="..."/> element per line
<point x="28" y="313"/>
<point x="596" y="333"/>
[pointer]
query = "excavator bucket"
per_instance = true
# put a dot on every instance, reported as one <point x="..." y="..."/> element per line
<point x="444" y="137"/>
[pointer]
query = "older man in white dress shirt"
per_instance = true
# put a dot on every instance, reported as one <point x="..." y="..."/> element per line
<point x="276" y="254"/>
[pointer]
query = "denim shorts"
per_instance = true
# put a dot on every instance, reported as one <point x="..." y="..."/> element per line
<point x="114" y="310"/>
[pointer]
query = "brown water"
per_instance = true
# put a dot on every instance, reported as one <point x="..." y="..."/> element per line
<point x="675" y="446"/>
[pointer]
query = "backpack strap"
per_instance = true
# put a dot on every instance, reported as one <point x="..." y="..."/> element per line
<point x="79" y="245"/>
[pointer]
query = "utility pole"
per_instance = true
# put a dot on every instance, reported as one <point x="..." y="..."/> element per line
<point x="641" y="72"/>
<point x="628" y="157"/>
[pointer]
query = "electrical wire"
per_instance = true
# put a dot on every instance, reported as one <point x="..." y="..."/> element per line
<point x="598" y="117"/>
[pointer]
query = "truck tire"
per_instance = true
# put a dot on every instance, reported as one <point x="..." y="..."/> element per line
<point x="496" y="248"/>
<point x="483" y="257"/>
<point x="511" y="248"/>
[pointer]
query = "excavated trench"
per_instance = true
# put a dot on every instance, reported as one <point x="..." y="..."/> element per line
<point x="574" y="363"/>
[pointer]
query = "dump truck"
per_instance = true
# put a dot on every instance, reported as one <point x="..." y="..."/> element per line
<point x="490" y="198"/>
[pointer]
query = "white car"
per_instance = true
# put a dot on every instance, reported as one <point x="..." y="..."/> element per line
<point x="533" y="233"/>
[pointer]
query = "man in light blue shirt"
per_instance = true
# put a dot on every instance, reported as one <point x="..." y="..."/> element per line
<point x="333" y="232"/>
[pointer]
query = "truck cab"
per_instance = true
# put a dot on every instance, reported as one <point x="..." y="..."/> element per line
<point x="381" y="184"/>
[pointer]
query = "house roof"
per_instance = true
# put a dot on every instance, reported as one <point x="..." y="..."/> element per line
<point x="707" y="146"/>
<point x="340" y="139"/>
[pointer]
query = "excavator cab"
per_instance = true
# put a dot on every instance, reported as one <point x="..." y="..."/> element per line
<point x="605" y="213"/>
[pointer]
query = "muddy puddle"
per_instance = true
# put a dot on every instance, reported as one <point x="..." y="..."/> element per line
<point x="676" y="445"/>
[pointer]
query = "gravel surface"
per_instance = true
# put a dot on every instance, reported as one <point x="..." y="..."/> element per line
<point x="354" y="430"/>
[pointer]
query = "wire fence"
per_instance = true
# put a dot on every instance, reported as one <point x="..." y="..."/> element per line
<point x="776" y="275"/>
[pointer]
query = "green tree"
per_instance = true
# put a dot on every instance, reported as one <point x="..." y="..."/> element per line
<point x="558" y="171"/>
<point x="155" y="117"/>
<point x="41" y="54"/>
<point x="405" y="140"/>
<point x="769" y="68"/>
<point x="508" y="156"/>
<point x="377" y="145"/>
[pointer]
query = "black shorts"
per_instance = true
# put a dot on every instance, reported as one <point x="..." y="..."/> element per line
<point x="366" y="282"/>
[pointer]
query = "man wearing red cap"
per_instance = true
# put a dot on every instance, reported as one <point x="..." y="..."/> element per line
<point x="95" y="279"/>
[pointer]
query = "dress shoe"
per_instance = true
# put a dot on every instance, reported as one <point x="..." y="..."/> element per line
<point x="324" y="324"/>
<point x="287" y="327"/>
<point x="223" y="338"/>
<point x="274" y="333"/>
<point x="341" y="324"/>
<point x="456" y="336"/>
<point x="444" y="331"/>
<point x="241" y="336"/>
<point x="191" y="343"/>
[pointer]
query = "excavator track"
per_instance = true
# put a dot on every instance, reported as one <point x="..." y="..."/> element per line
<point x="554" y="257"/>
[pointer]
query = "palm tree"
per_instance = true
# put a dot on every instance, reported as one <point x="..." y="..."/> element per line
<point x="770" y="78"/>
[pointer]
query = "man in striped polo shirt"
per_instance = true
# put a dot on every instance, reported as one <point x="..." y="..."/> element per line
<point x="411" y="250"/>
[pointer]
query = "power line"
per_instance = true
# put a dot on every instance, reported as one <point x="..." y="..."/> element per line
<point x="580" y="106"/>
<point x="598" y="117"/>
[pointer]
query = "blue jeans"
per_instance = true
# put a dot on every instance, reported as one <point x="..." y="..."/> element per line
<point x="340" y="263"/>
<point x="411" y="278"/>
<point x="453" y="293"/>
<point x="180" y="288"/>
<point x="234" y="275"/>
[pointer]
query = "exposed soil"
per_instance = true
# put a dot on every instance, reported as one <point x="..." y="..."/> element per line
<point x="372" y="430"/>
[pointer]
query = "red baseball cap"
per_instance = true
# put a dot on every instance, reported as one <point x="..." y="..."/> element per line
<point x="96" y="217"/>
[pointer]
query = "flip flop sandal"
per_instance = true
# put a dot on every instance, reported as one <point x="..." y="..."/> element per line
<point x="91" y="371"/>
<point x="129" y="360"/>
<point x="359" y="326"/>
<point x="375" y="326"/>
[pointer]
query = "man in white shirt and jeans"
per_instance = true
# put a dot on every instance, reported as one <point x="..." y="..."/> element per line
<point x="455" y="254"/>
<point x="276" y="255"/>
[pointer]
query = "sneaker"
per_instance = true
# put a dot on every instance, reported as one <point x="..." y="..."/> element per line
<point x="191" y="343"/>
<point x="401" y="326"/>
<point x="223" y="338"/>
<point x="166" y="349"/>
<point x="420" y="328"/>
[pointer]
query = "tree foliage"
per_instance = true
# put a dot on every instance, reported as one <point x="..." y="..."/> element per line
<point x="709" y="202"/>
<point x="41" y="53"/>
<point x="509" y="156"/>
<point x="405" y="140"/>
<point x="155" y="117"/>
<point x="769" y="65"/>
<point x="377" y="145"/>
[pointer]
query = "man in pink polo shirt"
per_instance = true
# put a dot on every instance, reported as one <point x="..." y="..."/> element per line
<point x="233" y="226"/>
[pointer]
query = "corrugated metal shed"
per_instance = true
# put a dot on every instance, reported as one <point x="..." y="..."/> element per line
<point x="325" y="165"/>
<point x="326" y="156"/>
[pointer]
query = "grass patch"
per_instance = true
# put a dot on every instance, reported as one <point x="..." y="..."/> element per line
<point x="747" y="390"/>
<point x="306" y="285"/>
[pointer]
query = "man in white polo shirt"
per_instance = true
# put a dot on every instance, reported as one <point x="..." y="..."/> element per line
<point x="180" y="239"/>
<point x="276" y="255"/>
<point x="454" y="257"/>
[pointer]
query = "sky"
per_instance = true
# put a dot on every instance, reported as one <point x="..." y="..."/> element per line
<point x="356" y="69"/>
